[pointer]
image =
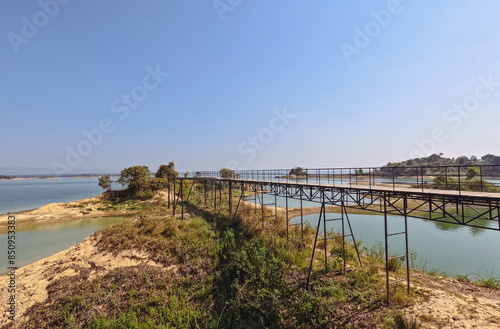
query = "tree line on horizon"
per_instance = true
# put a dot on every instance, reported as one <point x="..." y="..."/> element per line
<point x="439" y="160"/>
<point x="436" y="160"/>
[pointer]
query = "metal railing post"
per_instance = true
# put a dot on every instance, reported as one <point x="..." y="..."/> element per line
<point x="481" y="176"/>
<point x="459" y="183"/>
<point x="393" y="179"/>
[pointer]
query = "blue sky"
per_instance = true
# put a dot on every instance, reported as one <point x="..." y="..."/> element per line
<point x="246" y="84"/>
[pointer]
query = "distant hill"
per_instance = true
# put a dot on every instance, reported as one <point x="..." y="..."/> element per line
<point x="403" y="167"/>
<point x="439" y="160"/>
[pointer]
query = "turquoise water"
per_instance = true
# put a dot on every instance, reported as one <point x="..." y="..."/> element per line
<point x="450" y="249"/>
<point x="41" y="241"/>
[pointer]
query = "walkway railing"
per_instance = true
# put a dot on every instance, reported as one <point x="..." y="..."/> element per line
<point x="479" y="178"/>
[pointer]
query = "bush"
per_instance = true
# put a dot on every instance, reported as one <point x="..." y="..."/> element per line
<point x="143" y="195"/>
<point x="159" y="183"/>
<point x="167" y="171"/>
<point x="226" y="173"/>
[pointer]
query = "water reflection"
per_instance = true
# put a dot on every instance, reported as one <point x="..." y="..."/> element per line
<point x="451" y="249"/>
<point x="38" y="242"/>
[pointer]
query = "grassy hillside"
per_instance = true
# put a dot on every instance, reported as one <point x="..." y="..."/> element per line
<point x="222" y="272"/>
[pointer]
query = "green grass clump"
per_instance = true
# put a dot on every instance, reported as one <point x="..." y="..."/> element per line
<point x="399" y="321"/>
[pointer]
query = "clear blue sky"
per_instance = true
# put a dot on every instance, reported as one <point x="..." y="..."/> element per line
<point x="362" y="82"/>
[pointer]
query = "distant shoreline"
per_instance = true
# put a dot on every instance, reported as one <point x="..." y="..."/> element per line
<point x="26" y="178"/>
<point x="59" y="177"/>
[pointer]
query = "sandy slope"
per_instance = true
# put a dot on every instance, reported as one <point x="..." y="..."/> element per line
<point x="32" y="280"/>
<point x="55" y="212"/>
<point x="448" y="303"/>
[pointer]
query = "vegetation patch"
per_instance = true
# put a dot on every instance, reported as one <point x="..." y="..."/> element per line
<point x="222" y="271"/>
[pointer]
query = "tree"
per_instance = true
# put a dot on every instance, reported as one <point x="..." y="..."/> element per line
<point x="167" y="171"/>
<point x="137" y="178"/>
<point x="297" y="171"/>
<point x="472" y="172"/>
<point x="226" y="173"/>
<point x="462" y="160"/>
<point x="105" y="182"/>
<point x="433" y="158"/>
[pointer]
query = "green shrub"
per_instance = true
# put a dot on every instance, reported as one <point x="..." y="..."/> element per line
<point x="395" y="264"/>
<point x="143" y="195"/>
<point x="159" y="183"/>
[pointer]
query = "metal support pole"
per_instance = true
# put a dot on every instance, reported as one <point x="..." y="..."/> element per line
<point x="255" y="198"/>
<point x="481" y="176"/>
<point x="386" y="246"/>
<point x="182" y="199"/>
<point x="344" y="211"/>
<point x="343" y="232"/>
<point x="168" y="196"/>
<point x="205" y="190"/>
<point x="262" y="203"/>
<point x="190" y="189"/>
<point x="230" y="198"/>
<point x="220" y="194"/>
<point x="314" y="248"/>
<point x="276" y="205"/>
<point x="175" y="202"/>
<point x="459" y="183"/>
<point x="301" y="217"/>
<point x="325" y="237"/>
<point x="286" y="211"/>
<point x="405" y="205"/>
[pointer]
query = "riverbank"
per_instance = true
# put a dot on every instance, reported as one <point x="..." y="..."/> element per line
<point x="155" y="264"/>
<point x="27" y="178"/>
<point x="61" y="212"/>
<point x="98" y="206"/>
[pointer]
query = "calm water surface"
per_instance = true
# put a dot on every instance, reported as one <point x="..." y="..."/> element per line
<point x="451" y="249"/>
<point x="18" y="195"/>
<point x="41" y="241"/>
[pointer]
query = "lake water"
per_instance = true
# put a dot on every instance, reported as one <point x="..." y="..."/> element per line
<point x="18" y="195"/>
<point x="33" y="244"/>
<point x="451" y="249"/>
<point x="41" y="241"/>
